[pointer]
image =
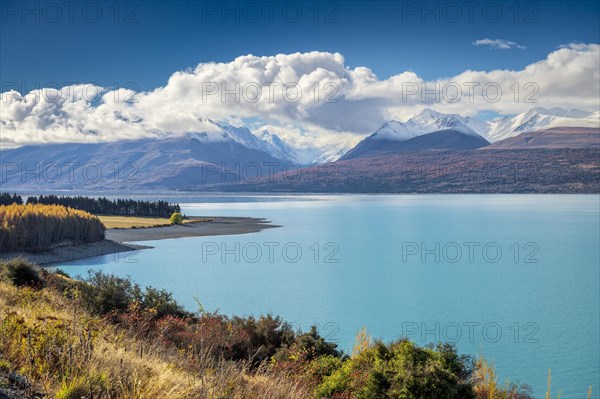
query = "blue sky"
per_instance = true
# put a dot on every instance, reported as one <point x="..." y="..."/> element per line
<point x="145" y="42"/>
<point x="376" y="61"/>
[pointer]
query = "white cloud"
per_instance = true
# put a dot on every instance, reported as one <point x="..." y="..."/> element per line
<point x="497" y="44"/>
<point x="312" y="99"/>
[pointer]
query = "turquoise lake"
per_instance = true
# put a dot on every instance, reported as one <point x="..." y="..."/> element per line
<point x="515" y="277"/>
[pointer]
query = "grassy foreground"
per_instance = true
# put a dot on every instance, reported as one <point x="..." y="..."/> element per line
<point x="66" y="352"/>
<point x="107" y="337"/>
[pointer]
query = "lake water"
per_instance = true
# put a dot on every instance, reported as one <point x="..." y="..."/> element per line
<point x="515" y="277"/>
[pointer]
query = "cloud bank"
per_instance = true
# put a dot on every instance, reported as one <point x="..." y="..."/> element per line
<point x="310" y="99"/>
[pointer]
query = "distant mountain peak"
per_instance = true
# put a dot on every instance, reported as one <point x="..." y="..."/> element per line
<point x="427" y="121"/>
<point x="277" y="147"/>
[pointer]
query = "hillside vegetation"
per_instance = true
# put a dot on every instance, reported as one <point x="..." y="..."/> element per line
<point x="34" y="227"/>
<point x="538" y="170"/>
<point x="71" y="340"/>
<point x="107" y="337"/>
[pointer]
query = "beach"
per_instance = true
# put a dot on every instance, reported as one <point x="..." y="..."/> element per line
<point x="215" y="227"/>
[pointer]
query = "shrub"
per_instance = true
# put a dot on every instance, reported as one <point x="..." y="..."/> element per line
<point x="176" y="218"/>
<point x="314" y="345"/>
<point x="307" y="346"/>
<point x="401" y="370"/>
<point x="105" y="293"/>
<point x="63" y="284"/>
<point x="257" y="340"/>
<point x="314" y="372"/>
<point x="161" y="302"/>
<point x="20" y="272"/>
<point x="176" y="331"/>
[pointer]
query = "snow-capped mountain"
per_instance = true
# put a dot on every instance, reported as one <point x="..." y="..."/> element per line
<point x="428" y="121"/>
<point x="537" y="119"/>
<point x="429" y="130"/>
<point x="449" y="130"/>
<point x="264" y="142"/>
<point x="277" y="147"/>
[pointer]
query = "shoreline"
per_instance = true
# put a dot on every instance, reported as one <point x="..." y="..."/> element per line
<point x="217" y="226"/>
<point x="68" y="251"/>
<point x="119" y="240"/>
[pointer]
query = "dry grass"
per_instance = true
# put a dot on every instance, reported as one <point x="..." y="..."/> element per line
<point x="68" y="354"/>
<point x="127" y="222"/>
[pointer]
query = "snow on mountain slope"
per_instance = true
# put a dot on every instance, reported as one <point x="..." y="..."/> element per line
<point x="428" y="121"/>
<point x="265" y="142"/>
<point x="477" y="125"/>
<point x="277" y="147"/>
<point x="394" y="130"/>
<point x="497" y="129"/>
<point x="331" y="153"/>
<point x="537" y="119"/>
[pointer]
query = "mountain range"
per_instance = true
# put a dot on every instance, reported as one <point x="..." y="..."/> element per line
<point x="537" y="119"/>
<point x="434" y="130"/>
<point x="230" y="154"/>
<point x="497" y="129"/>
